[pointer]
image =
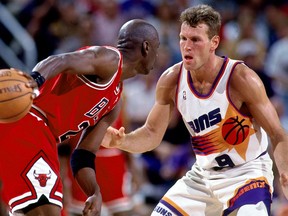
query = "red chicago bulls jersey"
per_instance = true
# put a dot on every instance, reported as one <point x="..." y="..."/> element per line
<point x="72" y="103"/>
<point x="67" y="104"/>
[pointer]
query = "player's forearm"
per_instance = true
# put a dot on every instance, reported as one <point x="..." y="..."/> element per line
<point x="142" y="140"/>
<point x="87" y="181"/>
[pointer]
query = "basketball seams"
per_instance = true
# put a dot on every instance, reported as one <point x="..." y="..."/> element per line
<point x="19" y="96"/>
<point x="236" y="132"/>
<point x="13" y="79"/>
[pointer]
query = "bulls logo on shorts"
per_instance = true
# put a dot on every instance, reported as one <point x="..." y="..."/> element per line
<point x="39" y="174"/>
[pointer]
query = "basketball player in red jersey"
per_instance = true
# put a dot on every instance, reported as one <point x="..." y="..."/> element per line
<point x="228" y="114"/>
<point x="79" y="91"/>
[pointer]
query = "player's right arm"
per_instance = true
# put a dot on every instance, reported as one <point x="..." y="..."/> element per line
<point x="150" y="135"/>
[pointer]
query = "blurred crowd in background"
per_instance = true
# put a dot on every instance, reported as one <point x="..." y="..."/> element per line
<point x="255" y="31"/>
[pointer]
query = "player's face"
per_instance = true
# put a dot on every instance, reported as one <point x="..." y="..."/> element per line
<point x="195" y="46"/>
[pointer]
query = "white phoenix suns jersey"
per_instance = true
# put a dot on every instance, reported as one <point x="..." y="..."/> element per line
<point x="222" y="136"/>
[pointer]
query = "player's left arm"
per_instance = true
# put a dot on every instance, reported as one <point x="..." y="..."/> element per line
<point x="83" y="162"/>
<point x="252" y="93"/>
<point x="95" y="60"/>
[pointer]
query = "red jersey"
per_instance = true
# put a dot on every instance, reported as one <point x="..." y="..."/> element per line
<point x="71" y="103"/>
<point x="66" y="105"/>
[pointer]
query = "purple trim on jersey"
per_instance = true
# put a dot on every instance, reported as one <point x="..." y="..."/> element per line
<point x="251" y="193"/>
<point x="169" y="206"/>
<point x="216" y="81"/>
<point x="227" y="90"/>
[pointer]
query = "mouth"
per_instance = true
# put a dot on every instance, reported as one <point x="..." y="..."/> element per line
<point x="188" y="58"/>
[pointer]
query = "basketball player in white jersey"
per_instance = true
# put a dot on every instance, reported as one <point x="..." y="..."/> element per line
<point x="228" y="114"/>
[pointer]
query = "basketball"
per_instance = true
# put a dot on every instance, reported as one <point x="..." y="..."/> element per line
<point x="15" y="97"/>
<point x="234" y="131"/>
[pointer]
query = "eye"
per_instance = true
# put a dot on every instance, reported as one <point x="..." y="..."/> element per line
<point x="182" y="38"/>
<point x="195" y="39"/>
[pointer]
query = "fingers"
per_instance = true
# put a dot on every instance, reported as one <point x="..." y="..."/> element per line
<point x="115" y="132"/>
<point x="121" y="132"/>
<point x="31" y="82"/>
<point x="87" y="209"/>
<point x="92" y="206"/>
<point x="90" y="210"/>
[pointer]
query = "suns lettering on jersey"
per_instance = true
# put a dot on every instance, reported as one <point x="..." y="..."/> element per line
<point x="162" y="211"/>
<point x="206" y="120"/>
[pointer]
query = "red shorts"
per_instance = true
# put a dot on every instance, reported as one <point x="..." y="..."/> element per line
<point x="29" y="167"/>
<point x="112" y="177"/>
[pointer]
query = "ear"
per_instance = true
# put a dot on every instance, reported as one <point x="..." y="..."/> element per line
<point x="145" y="48"/>
<point x="215" y="42"/>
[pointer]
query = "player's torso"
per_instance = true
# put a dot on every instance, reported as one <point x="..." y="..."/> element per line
<point x="72" y="103"/>
<point x="221" y="135"/>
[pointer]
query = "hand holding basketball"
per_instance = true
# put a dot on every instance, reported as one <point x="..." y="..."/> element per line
<point x="15" y="97"/>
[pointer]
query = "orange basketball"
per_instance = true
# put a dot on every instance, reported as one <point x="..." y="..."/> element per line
<point x="234" y="131"/>
<point x="15" y="97"/>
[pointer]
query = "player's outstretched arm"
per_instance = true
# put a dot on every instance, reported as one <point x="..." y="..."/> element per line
<point x="150" y="135"/>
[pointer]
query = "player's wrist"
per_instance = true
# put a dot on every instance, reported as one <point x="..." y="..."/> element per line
<point x="39" y="79"/>
<point x="82" y="158"/>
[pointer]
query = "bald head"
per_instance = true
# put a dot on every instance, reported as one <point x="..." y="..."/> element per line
<point x="134" y="32"/>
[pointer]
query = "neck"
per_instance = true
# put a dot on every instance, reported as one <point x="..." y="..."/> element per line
<point x="208" y="71"/>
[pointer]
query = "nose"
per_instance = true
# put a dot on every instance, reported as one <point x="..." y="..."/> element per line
<point x="187" y="45"/>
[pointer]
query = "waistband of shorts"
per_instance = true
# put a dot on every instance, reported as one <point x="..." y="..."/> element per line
<point x="39" y="113"/>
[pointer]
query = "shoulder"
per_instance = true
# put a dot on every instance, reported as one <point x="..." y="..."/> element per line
<point x="167" y="84"/>
<point x="244" y="75"/>
<point x="170" y="76"/>
<point x="246" y="82"/>
<point x="101" y="51"/>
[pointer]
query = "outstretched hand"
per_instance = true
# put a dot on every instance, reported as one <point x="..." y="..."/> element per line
<point x="284" y="184"/>
<point x="113" y="137"/>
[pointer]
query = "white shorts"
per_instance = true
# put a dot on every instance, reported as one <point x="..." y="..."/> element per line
<point x="242" y="190"/>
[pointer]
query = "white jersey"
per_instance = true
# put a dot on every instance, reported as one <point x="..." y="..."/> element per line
<point x="222" y="136"/>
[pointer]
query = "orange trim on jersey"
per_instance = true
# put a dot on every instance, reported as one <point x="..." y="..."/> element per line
<point x="178" y="208"/>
